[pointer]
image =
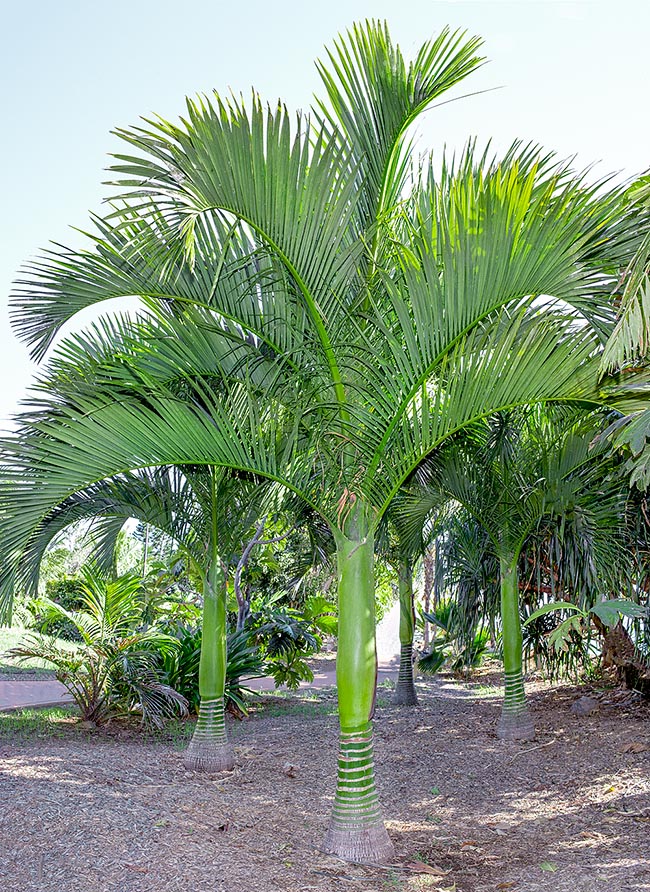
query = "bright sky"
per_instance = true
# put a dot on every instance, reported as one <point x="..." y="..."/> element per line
<point x="574" y="73"/>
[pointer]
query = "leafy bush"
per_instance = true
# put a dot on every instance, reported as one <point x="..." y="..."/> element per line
<point x="244" y="660"/>
<point x="566" y="648"/>
<point x="289" y="669"/>
<point x="285" y="637"/>
<point x="181" y="666"/>
<point x="117" y="666"/>
<point x="66" y="592"/>
<point x="433" y="661"/>
<point x="452" y="643"/>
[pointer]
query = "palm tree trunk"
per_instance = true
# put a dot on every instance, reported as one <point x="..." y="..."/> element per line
<point x="515" y="722"/>
<point x="209" y="749"/>
<point x="429" y="562"/>
<point x="356" y="831"/>
<point x="405" y="690"/>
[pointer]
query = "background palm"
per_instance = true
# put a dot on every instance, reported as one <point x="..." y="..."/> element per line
<point x="210" y="515"/>
<point x="526" y="477"/>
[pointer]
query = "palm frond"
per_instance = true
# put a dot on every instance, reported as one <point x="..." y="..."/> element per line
<point x="373" y="97"/>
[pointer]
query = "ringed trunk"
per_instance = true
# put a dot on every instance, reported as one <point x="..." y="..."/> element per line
<point x="356" y="831"/>
<point x="209" y="749"/>
<point x="405" y="694"/>
<point x="515" y="722"/>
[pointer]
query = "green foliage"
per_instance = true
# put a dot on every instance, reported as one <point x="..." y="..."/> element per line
<point x="566" y="648"/>
<point x="321" y="613"/>
<point x="66" y="592"/>
<point x="288" y="668"/>
<point x="299" y="566"/>
<point x="386" y="588"/>
<point x="286" y="636"/>
<point x="280" y="631"/>
<point x="181" y="665"/>
<point x="450" y="644"/>
<point x="433" y="661"/>
<point x="244" y="660"/>
<point x="116" y="668"/>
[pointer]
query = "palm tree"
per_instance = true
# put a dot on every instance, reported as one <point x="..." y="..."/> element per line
<point x="208" y="513"/>
<point x="401" y="541"/>
<point x="308" y="320"/>
<point x="519" y="476"/>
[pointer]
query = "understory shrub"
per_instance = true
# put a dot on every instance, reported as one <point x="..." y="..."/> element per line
<point x="117" y="666"/>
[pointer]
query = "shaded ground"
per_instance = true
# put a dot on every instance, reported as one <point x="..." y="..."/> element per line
<point x="115" y="812"/>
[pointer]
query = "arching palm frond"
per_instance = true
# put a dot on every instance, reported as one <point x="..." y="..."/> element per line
<point x="630" y="340"/>
<point x="373" y="97"/>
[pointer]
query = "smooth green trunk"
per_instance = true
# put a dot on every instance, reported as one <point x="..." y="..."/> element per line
<point x="356" y="831"/>
<point x="405" y="694"/>
<point x="209" y="749"/>
<point x="515" y="722"/>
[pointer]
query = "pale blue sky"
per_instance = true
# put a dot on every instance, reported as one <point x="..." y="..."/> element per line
<point x="575" y="77"/>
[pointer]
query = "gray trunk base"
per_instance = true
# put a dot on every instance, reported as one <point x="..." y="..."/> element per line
<point x="518" y="726"/>
<point x="405" y="694"/>
<point x="202" y="755"/>
<point x="367" y="845"/>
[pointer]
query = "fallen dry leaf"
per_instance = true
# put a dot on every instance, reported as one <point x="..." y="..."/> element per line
<point x="421" y="867"/>
<point x="634" y="747"/>
<point x="500" y="829"/>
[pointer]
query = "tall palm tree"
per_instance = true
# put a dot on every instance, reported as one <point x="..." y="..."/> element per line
<point x="401" y="541"/>
<point x="319" y="314"/>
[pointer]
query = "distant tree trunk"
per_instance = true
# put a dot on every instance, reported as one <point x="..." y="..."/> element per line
<point x="429" y="562"/>
<point x="243" y="611"/>
<point x="243" y="595"/>
<point x="405" y="694"/>
<point x="515" y="722"/>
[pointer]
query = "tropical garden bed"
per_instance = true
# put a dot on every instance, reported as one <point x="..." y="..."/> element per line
<point x="88" y="811"/>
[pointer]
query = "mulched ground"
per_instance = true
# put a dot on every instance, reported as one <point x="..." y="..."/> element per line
<point x="116" y="812"/>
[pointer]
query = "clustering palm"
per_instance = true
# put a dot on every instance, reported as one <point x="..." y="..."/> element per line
<point x="309" y="321"/>
<point x="116" y="666"/>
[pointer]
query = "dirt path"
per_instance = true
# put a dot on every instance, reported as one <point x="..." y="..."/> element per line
<point x="115" y="812"/>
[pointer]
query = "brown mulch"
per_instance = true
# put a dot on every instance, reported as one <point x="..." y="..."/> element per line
<point x="115" y="811"/>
